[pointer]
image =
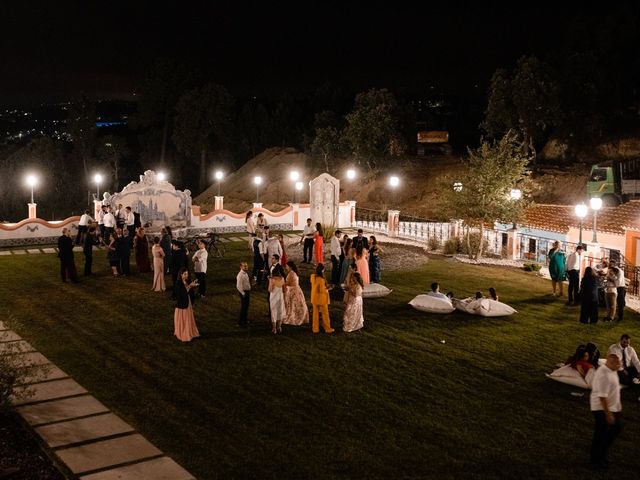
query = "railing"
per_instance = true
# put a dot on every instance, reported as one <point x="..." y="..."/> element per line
<point x="376" y="226"/>
<point x="424" y="231"/>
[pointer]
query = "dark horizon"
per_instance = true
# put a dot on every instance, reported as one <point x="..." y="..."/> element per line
<point x="57" y="51"/>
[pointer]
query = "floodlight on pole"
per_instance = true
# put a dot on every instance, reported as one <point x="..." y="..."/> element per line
<point x="351" y="174"/>
<point x="299" y="186"/>
<point x="258" y="181"/>
<point x="294" y="175"/>
<point x="162" y="176"/>
<point x="581" y="212"/>
<point x="515" y="194"/>
<point x="97" y="178"/>
<point x="219" y="176"/>
<point x="596" y="204"/>
<point x="394" y="181"/>
<point x="32" y="181"/>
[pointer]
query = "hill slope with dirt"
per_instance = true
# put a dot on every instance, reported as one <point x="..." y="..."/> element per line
<point x="416" y="196"/>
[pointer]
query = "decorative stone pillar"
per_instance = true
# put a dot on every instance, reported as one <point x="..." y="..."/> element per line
<point x="393" y="221"/>
<point x="218" y="202"/>
<point x="513" y="244"/>
<point x="295" y="216"/>
<point x="97" y="206"/>
<point x="257" y="205"/>
<point x="32" y="210"/>
<point x="351" y="205"/>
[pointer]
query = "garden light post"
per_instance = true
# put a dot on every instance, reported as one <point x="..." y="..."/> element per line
<point x="394" y="182"/>
<point x="596" y="204"/>
<point x="515" y="195"/>
<point x="294" y="176"/>
<point x="581" y="212"/>
<point x="257" y="180"/>
<point x="32" y="181"/>
<point x="97" y="178"/>
<point x="299" y="187"/>
<point x="219" y="176"/>
<point x="351" y="174"/>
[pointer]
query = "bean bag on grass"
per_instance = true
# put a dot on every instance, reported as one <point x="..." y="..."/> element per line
<point x="430" y="304"/>
<point x="569" y="375"/>
<point x="374" y="290"/>
<point x="485" y="307"/>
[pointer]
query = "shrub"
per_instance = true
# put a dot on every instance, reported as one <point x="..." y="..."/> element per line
<point x="328" y="231"/>
<point x="532" y="267"/>
<point x="452" y="246"/>
<point x="433" y="243"/>
<point x="474" y="240"/>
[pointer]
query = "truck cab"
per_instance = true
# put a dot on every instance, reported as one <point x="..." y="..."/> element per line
<point x="616" y="183"/>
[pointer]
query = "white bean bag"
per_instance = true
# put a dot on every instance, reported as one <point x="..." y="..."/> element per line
<point x="485" y="307"/>
<point x="430" y="304"/>
<point x="569" y="375"/>
<point x="374" y="290"/>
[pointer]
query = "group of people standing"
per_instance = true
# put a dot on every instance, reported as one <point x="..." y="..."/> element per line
<point x="603" y="284"/>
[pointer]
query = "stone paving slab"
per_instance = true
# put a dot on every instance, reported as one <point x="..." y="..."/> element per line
<point x="224" y="240"/>
<point x="49" y="250"/>
<point x="107" y="453"/>
<point x="5" y="252"/>
<point x="19" y="252"/>
<point x="236" y="239"/>
<point x="33" y="250"/>
<point x="83" y="429"/>
<point x="12" y="348"/>
<point x="34" y="358"/>
<point x="53" y="373"/>
<point x="157" y="469"/>
<point x="9" y="336"/>
<point x="51" y="390"/>
<point x="60" y="410"/>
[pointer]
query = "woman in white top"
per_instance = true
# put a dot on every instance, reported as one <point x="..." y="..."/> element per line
<point x="200" y="267"/>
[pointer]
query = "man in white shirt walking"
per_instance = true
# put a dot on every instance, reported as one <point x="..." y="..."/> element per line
<point x="336" y="250"/>
<point x="200" y="267"/>
<point x="243" y="285"/>
<point x="130" y="222"/>
<point x="629" y="363"/>
<point x="572" y="267"/>
<point x="83" y="227"/>
<point x="109" y="224"/>
<point x="606" y="408"/>
<point x="307" y="237"/>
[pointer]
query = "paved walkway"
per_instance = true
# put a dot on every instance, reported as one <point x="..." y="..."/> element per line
<point x="91" y="441"/>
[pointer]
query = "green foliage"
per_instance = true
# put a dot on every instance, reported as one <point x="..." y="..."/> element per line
<point x="469" y="246"/>
<point x="500" y="115"/>
<point x="531" y="267"/>
<point x="327" y="142"/>
<point x="452" y="246"/>
<point x="490" y="173"/>
<point x="328" y="231"/>
<point x="111" y="152"/>
<point x="372" y="129"/>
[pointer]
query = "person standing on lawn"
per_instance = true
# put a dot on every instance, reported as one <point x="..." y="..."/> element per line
<point x="65" y="254"/>
<point x="243" y="285"/>
<point x="307" y="237"/>
<point x="556" y="268"/>
<point x="320" y="301"/>
<point x="200" y="267"/>
<point x="572" y="267"/>
<point x="606" y="408"/>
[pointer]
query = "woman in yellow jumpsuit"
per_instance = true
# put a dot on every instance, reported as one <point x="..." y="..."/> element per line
<point x="320" y="301"/>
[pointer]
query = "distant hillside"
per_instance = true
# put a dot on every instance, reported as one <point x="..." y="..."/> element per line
<point x="416" y="195"/>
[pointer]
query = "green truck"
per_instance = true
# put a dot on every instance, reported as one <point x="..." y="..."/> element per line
<point x="615" y="183"/>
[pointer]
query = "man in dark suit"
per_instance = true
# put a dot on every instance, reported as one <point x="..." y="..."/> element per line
<point x="65" y="254"/>
<point x="360" y="240"/>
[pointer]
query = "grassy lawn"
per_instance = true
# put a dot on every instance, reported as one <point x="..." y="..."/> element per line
<point x="389" y="402"/>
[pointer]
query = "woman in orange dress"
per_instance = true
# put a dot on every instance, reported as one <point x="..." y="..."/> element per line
<point x="184" y="322"/>
<point x="318" y="244"/>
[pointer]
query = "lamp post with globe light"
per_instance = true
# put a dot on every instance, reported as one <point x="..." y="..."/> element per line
<point x="581" y="212"/>
<point x="97" y="178"/>
<point x="596" y="204"/>
<point x="162" y="176"/>
<point x="219" y="176"/>
<point x="299" y="186"/>
<point x="294" y="176"/>
<point x="258" y="181"/>
<point x="515" y="195"/>
<point x="32" y="181"/>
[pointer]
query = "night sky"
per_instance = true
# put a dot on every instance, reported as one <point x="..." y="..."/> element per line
<point x="57" y="49"/>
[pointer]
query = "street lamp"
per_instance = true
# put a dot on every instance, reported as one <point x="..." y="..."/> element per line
<point x="257" y="180"/>
<point x="394" y="182"/>
<point x="351" y="174"/>
<point x="515" y="195"/>
<point x="299" y="187"/>
<point x="457" y="187"/>
<point x="219" y="176"/>
<point x="294" y="176"/>
<point x="98" y="179"/>
<point x="162" y="176"/>
<point x="32" y="181"/>
<point x="596" y="204"/>
<point x="581" y="212"/>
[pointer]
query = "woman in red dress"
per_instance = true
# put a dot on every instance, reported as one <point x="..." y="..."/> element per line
<point x="318" y="244"/>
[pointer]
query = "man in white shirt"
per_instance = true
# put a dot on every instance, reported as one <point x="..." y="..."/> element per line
<point x="572" y="266"/>
<point x="109" y="224"/>
<point x="101" y="214"/>
<point x="130" y="222"/>
<point x="336" y="250"/>
<point x="606" y="407"/>
<point x="200" y="267"/>
<point x="621" y="287"/>
<point x="83" y="227"/>
<point x="629" y="364"/>
<point x="243" y="285"/>
<point x="271" y="246"/>
<point x="307" y="237"/>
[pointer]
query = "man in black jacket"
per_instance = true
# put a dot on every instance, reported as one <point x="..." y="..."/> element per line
<point x="65" y="254"/>
<point x="87" y="249"/>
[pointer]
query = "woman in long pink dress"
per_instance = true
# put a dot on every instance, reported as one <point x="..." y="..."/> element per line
<point x="184" y="322"/>
<point x="158" y="266"/>
<point x="295" y="304"/>
<point x="362" y="262"/>
<point x="318" y="244"/>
